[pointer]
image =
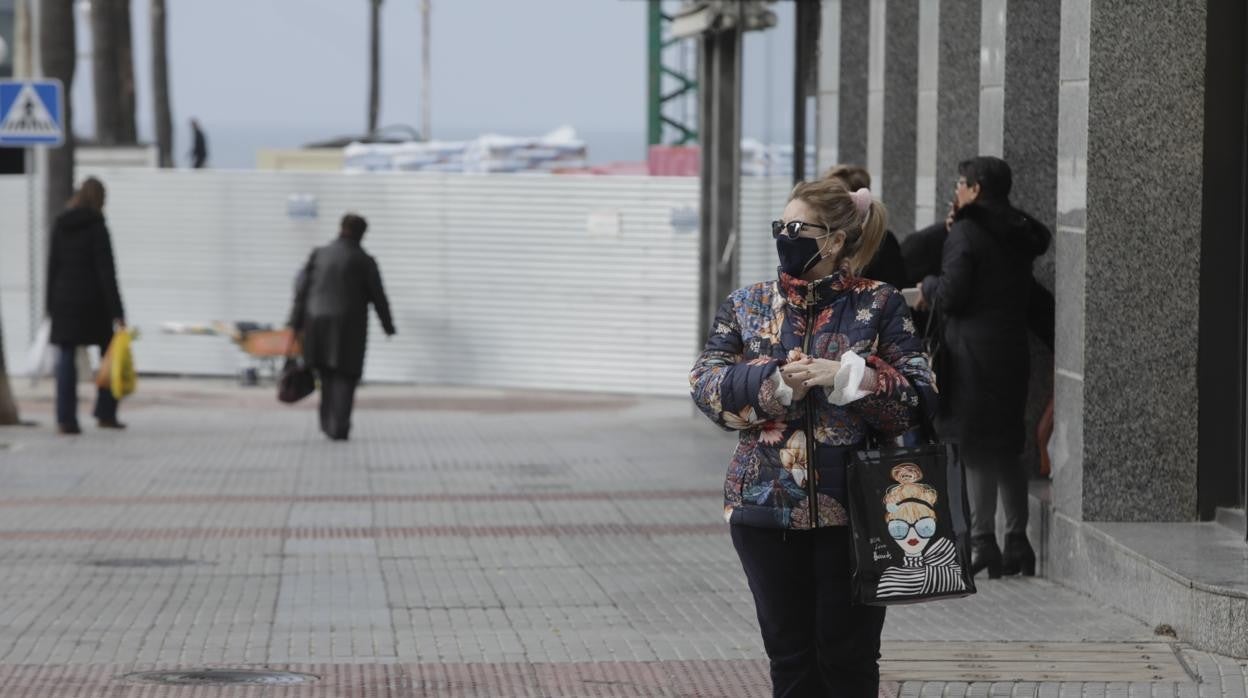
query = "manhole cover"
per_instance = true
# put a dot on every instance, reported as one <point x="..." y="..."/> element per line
<point x="222" y="677"/>
<point x="143" y="562"/>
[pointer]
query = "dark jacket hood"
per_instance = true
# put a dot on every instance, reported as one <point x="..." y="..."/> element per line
<point x="1015" y="229"/>
<point x="82" y="217"/>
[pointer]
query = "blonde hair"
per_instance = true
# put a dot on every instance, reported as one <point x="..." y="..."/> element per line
<point x="89" y="195"/>
<point x="854" y="177"/>
<point x="908" y="487"/>
<point x="833" y="206"/>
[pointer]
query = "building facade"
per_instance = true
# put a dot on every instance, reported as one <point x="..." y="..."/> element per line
<point x="1125" y="129"/>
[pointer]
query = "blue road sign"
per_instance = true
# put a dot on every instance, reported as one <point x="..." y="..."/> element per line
<point x="31" y="113"/>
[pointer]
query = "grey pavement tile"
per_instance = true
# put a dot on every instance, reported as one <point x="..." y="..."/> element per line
<point x="439" y="538"/>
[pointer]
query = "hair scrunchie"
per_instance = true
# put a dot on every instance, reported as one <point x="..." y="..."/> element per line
<point x="862" y="201"/>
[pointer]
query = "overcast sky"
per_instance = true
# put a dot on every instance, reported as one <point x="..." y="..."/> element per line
<point x="281" y="72"/>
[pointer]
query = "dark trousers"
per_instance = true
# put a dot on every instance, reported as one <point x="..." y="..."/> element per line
<point x="819" y="642"/>
<point x="67" y="390"/>
<point x="990" y="472"/>
<point x="337" y="400"/>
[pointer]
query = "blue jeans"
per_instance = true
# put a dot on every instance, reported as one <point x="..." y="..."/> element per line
<point x="67" y="391"/>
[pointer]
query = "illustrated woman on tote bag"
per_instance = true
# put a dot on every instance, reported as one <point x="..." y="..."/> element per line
<point x="805" y="367"/>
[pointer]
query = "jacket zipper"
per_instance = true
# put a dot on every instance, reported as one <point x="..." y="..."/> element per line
<point x="810" y="420"/>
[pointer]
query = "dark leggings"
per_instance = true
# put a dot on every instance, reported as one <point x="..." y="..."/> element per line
<point x="819" y="642"/>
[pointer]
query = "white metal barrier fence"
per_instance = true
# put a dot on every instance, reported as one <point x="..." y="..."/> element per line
<point x="583" y="283"/>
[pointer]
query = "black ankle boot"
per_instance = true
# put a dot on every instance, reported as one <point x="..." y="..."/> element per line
<point x="985" y="555"/>
<point x="1018" y="556"/>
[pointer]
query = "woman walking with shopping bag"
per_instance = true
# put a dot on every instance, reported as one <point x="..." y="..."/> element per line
<point x="806" y="368"/>
<point x="83" y="301"/>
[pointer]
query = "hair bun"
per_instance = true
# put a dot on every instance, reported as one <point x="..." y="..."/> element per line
<point x="906" y="473"/>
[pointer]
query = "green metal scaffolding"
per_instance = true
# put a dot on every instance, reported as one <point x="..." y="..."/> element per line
<point x="659" y="104"/>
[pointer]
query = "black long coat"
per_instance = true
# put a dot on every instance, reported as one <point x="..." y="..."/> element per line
<point x="331" y="306"/>
<point x="922" y="252"/>
<point x="82" y="296"/>
<point x="983" y="294"/>
<point x="888" y="265"/>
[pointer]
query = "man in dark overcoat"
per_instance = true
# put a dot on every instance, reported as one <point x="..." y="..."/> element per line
<point x="330" y="314"/>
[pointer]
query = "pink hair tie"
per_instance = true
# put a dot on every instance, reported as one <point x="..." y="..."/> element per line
<point x="862" y="201"/>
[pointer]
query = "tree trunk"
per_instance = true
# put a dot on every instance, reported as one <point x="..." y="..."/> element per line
<point x="426" y="73"/>
<point x="21" y="69"/>
<point x="374" y="68"/>
<point x="59" y="53"/>
<point x="129" y="131"/>
<point x="113" y="72"/>
<point x="160" y="83"/>
<point x="106" y="72"/>
<point x="8" y="406"/>
<point x="23" y="40"/>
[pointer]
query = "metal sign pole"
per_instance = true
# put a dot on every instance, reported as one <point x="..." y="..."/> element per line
<point x="31" y="115"/>
<point x="32" y="267"/>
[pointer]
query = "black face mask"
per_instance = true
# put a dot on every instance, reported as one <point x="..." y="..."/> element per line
<point x="798" y="256"/>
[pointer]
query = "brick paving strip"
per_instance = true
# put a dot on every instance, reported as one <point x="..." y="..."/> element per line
<point x="1103" y="663"/>
<point x="366" y="532"/>
<point x="642" y="679"/>
<point x="141" y="500"/>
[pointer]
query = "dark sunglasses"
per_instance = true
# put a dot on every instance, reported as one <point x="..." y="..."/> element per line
<point x="924" y="527"/>
<point x="792" y="228"/>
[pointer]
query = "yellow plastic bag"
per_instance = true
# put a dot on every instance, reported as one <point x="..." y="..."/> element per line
<point x="122" y="377"/>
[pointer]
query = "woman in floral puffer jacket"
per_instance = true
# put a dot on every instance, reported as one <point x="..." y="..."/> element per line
<point x="806" y="367"/>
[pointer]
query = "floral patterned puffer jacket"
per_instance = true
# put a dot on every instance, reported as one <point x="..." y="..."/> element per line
<point x="770" y="483"/>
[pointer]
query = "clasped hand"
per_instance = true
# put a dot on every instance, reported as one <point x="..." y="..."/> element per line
<point x="803" y="372"/>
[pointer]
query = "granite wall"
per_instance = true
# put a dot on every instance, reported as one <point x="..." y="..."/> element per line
<point x="1144" y="194"/>
<point x="957" y="116"/>
<point x="855" y="49"/>
<point x="900" y="52"/>
<point x="1027" y="122"/>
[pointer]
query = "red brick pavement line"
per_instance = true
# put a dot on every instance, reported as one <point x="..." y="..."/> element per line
<point x="344" y="532"/>
<point x="139" y="500"/>
<point x="709" y="678"/>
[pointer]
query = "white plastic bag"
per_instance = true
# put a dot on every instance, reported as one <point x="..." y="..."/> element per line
<point x="41" y="358"/>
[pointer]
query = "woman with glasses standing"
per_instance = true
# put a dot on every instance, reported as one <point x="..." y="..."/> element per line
<point x="984" y="293"/>
<point x="804" y="368"/>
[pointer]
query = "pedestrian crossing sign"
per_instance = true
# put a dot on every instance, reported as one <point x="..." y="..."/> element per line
<point x="31" y="113"/>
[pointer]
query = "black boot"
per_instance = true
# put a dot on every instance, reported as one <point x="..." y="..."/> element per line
<point x="985" y="555"/>
<point x="1018" y="557"/>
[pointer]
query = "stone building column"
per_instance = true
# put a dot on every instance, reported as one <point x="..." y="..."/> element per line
<point x="899" y="140"/>
<point x="957" y="113"/>
<point x="1129" y="259"/>
<point x="855" y="49"/>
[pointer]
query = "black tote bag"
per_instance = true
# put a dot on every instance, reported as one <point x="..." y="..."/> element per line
<point x="910" y="520"/>
<point x="295" y="382"/>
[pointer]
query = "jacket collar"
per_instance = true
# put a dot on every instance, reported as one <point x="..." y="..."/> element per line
<point x="804" y="294"/>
